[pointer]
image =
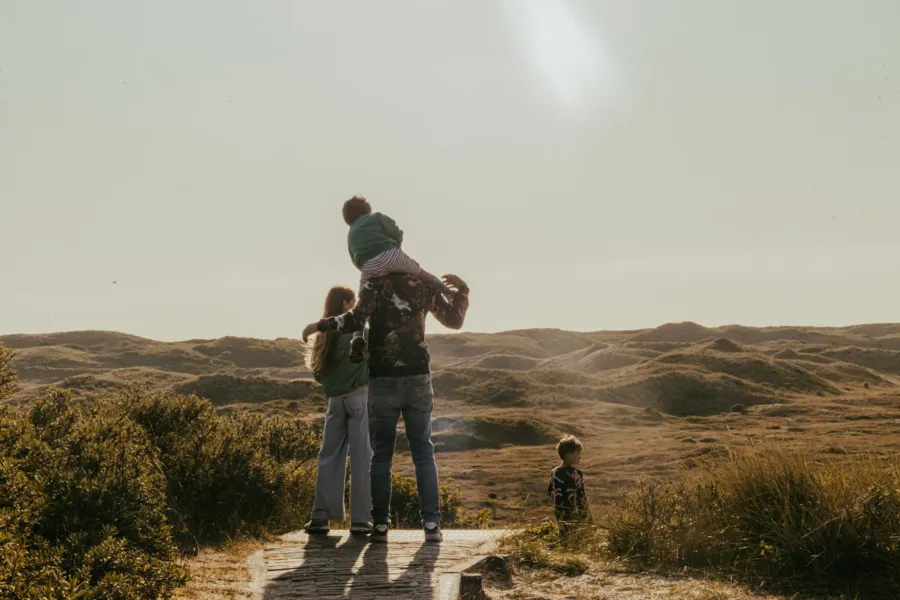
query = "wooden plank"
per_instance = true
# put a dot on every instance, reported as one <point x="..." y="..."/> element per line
<point x="340" y="566"/>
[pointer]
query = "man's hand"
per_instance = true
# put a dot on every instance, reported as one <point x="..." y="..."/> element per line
<point x="455" y="282"/>
<point x="309" y="330"/>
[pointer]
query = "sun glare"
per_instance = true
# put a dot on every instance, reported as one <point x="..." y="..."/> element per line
<point x="561" y="48"/>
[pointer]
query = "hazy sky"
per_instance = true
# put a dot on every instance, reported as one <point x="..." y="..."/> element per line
<point x="583" y="165"/>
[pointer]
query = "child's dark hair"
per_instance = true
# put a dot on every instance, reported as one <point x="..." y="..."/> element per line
<point x="356" y="207"/>
<point x="568" y="444"/>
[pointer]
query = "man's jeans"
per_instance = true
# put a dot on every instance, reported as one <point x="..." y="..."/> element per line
<point x="412" y="397"/>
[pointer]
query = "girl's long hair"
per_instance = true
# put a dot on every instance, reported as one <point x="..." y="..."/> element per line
<point x="325" y="343"/>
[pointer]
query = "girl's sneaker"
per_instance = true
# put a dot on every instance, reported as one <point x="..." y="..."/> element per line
<point x="360" y="528"/>
<point x="379" y="534"/>
<point x="317" y="527"/>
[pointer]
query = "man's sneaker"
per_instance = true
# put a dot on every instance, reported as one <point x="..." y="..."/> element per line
<point x="357" y="349"/>
<point x="379" y="534"/>
<point x="317" y="527"/>
<point x="360" y="528"/>
<point x="433" y="533"/>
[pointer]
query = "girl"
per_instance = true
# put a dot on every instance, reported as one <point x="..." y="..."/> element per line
<point x="346" y="426"/>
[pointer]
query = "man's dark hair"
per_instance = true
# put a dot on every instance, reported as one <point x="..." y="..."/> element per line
<point x="568" y="444"/>
<point x="356" y="207"/>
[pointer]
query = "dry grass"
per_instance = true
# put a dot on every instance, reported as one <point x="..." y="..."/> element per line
<point x="775" y="518"/>
<point x="220" y="573"/>
<point x="605" y="585"/>
<point x="583" y="570"/>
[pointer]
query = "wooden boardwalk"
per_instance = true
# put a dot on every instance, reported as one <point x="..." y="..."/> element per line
<point x="344" y="566"/>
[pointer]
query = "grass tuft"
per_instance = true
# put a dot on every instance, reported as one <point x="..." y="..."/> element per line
<point x="772" y="518"/>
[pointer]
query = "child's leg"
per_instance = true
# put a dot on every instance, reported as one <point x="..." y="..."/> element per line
<point x="398" y="261"/>
<point x="357" y="348"/>
<point x="358" y="334"/>
<point x="563" y="532"/>
<point x="358" y="341"/>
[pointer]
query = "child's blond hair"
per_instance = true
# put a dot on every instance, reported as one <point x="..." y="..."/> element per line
<point x="568" y="444"/>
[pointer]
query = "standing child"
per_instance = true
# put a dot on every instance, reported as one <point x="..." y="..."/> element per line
<point x="570" y="504"/>
<point x="374" y="243"/>
<point x="346" y="426"/>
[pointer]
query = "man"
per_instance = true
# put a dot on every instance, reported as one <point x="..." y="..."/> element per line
<point x="400" y="381"/>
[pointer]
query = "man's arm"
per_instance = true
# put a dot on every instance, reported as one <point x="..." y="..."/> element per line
<point x="355" y="320"/>
<point x="390" y="227"/>
<point x="452" y="315"/>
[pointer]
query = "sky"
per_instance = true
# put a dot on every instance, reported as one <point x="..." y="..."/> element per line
<point x="176" y="169"/>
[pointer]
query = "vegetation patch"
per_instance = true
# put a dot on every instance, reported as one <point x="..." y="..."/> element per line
<point x="772" y="518"/>
<point x="228" y="389"/>
<point x="253" y="353"/>
<point x="100" y="501"/>
<point x="405" y="506"/>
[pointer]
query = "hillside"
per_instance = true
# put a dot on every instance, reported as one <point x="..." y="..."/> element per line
<point x="680" y="369"/>
<point x="646" y="402"/>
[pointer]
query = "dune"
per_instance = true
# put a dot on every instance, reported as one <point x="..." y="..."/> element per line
<point x="675" y="332"/>
<point x="677" y="368"/>
<point x="509" y="362"/>
<point x="750" y="366"/>
<point x="684" y="391"/>
<point x="885" y="361"/>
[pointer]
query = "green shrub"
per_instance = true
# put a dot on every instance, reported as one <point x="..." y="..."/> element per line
<point x="772" y="518"/>
<point x="84" y="512"/>
<point x="227" y="475"/>
<point x="223" y="390"/>
<point x="97" y="501"/>
<point x="405" y="506"/>
<point x="7" y="373"/>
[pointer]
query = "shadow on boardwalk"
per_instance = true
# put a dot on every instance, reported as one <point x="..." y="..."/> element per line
<point x="349" y="567"/>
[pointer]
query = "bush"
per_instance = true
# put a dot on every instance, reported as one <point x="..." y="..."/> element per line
<point x="405" y="506"/>
<point x="97" y="502"/>
<point x="773" y="518"/>
<point x="228" y="475"/>
<point x="7" y="373"/>
<point x="223" y="390"/>
<point x="83" y="510"/>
